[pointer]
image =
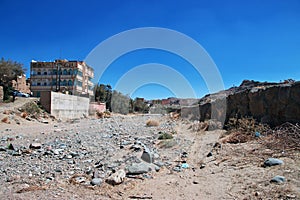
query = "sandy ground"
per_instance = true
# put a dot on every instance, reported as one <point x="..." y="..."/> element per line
<point x="234" y="171"/>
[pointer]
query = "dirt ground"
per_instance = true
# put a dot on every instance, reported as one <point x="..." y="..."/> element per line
<point x="232" y="171"/>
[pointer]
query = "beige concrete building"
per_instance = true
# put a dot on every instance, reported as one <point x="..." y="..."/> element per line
<point x="21" y="84"/>
<point x="69" y="77"/>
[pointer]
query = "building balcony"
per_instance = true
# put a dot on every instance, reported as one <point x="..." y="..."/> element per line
<point x="51" y="76"/>
<point x="42" y="76"/>
<point x="41" y="88"/>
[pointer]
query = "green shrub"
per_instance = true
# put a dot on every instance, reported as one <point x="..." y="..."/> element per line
<point x="165" y="136"/>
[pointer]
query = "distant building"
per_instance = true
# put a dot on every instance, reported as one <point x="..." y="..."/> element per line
<point x="165" y="102"/>
<point x="69" y="77"/>
<point x="21" y="84"/>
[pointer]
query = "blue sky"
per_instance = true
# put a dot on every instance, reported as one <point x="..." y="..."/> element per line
<point x="257" y="40"/>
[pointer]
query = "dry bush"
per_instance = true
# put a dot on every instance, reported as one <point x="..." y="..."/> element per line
<point x="167" y="143"/>
<point x="283" y="138"/>
<point x="152" y="122"/>
<point x="5" y="120"/>
<point x="243" y="130"/>
<point x="31" y="188"/>
<point x="7" y="112"/>
<point x="174" y="115"/>
<point x="99" y="114"/>
<point x="24" y="115"/>
<point x="199" y="126"/>
<point x="105" y="114"/>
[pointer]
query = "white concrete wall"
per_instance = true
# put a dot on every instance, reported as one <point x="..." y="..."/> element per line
<point x="68" y="106"/>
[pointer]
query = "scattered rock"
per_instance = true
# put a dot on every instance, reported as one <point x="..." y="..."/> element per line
<point x="96" y="181"/>
<point x="116" y="178"/>
<point x="209" y="154"/>
<point x="35" y="145"/>
<point x="177" y="169"/>
<point x="135" y="147"/>
<point x="139" y="168"/>
<point x="278" y="179"/>
<point x="147" y="156"/>
<point x="184" y="155"/>
<point x="272" y="161"/>
<point x="80" y="179"/>
<point x="159" y="164"/>
<point x="202" y="166"/>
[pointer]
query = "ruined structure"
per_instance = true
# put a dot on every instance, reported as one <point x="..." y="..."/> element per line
<point x="21" y="84"/>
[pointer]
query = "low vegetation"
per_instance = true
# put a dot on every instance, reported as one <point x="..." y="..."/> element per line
<point x="152" y="122"/>
<point x="31" y="108"/>
<point x="164" y="136"/>
<point x="243" y="130"/>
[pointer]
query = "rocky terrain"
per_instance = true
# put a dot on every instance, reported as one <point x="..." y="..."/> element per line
<point x="141" y="157"/>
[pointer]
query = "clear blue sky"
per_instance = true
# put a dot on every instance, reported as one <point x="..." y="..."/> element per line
<point x="254" y="39"/>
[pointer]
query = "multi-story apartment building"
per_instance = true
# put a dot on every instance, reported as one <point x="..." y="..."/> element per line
<point x="70" y="77"/>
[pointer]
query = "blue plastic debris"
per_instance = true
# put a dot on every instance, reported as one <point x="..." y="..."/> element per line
<point x="257" y="134"/>
<point x="185" y="166"/>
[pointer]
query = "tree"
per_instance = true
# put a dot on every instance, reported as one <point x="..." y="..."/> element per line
<point x="140" y="106"/>
<point x="9" y="70"/>
<point x="120" y="103"/>
<point x="103" y="93"/>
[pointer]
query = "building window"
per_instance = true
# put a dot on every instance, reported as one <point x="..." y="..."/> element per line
<point x="53" y="82"/>
<point x="79" y="83"/>
<point x="79" y="73"/>
<point x="45" y="73"/>
<point x="70" y="72"/>
<point x="45" y="84"/>
<point x="70" y="83"/>
<point x="38" y="84"/>
<point x="64" y="83"/>
<point x="38" y="73"/>
<point x="65" y="72"/>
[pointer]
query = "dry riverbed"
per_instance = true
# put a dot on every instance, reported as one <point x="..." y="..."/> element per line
<point x="75" y="160"/>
